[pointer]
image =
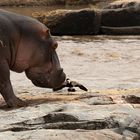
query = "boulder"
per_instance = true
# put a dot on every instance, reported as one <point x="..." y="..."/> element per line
<point x="121" y="21"/>
<point x="122" y="4"/>
<point x="46" y="2"/>
<point x="123" y="17"/>
<point x="71" y="22"/>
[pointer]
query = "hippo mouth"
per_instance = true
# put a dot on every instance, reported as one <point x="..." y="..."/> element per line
<point x="54" y="80"/>
<point x="48" y="83"/>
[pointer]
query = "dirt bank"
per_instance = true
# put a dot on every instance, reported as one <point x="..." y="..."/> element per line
<point x="48" y="2"/>
<point x="98" y="3"/>
<point x="94" y="22"/>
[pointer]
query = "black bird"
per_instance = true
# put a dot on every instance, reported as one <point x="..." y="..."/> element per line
<point x="71" y="85"/>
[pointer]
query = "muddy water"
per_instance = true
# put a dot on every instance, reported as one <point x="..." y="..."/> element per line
<point x="101" y="62"/>
<point x="29" y="10"/>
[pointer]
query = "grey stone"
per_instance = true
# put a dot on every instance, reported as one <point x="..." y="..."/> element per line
<point x="61" y="134"/>
<point x="130" y="134"/>
<point x="98" y="100"/>
<point x="135" y="99"/>
<point x="73" y="119"/>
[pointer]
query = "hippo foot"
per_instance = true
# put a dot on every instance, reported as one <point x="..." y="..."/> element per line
<point x="16" y="102"/>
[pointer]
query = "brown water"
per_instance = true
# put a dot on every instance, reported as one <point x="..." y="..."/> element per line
<point x="99" y="62"/>
<point x="29" y="10"/>
<point x="103" y="61"/>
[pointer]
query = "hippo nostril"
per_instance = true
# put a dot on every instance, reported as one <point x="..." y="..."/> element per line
<point x="59" y="70"/>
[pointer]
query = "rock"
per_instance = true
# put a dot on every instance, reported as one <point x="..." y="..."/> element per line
<point x="29" y="2"/>
<point x="123" y="4"/>
<point x="106" y="21"/>
<point x="77" y="118"/>
<point x="134" y="99"/>
<point x="121" y="10"/>
<point x="41" y="123"/>
<point x="132" y="30"/>
<point x="121" y="17"/>
<point x="130" y="134"/>
<point x="46" y="2"/>
<point x="71" y="22"/>
<point x="62" y="134"/>
<point x="98" y="100"/>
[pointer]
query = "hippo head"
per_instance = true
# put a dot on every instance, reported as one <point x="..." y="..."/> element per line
<point x="46" y="71"/>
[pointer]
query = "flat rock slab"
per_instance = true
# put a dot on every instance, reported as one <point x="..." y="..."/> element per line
<point x="79" y="115"/>
<point x="62" y="135"/>
<point x="98" y="100"/>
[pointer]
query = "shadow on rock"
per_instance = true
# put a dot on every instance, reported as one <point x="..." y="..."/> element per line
<point x="132" y="99"/>
<point x="63" y="121"/>
<point x="37" y="100"/>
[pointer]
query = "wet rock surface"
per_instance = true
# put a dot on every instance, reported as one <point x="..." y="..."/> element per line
<point x="79" y="115"/>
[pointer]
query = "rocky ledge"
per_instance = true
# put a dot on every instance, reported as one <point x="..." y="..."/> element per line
<point x="102" y="115"/>
<point x="114" y="19"/>
<point x="47" y="2"/>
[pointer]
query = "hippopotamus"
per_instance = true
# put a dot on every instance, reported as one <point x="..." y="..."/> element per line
<point x="26" y="45"/>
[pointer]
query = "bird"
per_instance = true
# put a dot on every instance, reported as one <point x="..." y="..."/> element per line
<point x="71" y="84"/>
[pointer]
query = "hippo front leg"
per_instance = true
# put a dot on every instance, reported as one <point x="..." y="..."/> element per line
<point x="6" y="87"/>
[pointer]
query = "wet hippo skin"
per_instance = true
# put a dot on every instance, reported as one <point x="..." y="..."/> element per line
<point x="26" y="45"/>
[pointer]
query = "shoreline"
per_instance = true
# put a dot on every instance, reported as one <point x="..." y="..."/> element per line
<point x="34" y="3"/>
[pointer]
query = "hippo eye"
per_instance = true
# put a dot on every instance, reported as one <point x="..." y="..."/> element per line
<point x="47" y="32"/>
